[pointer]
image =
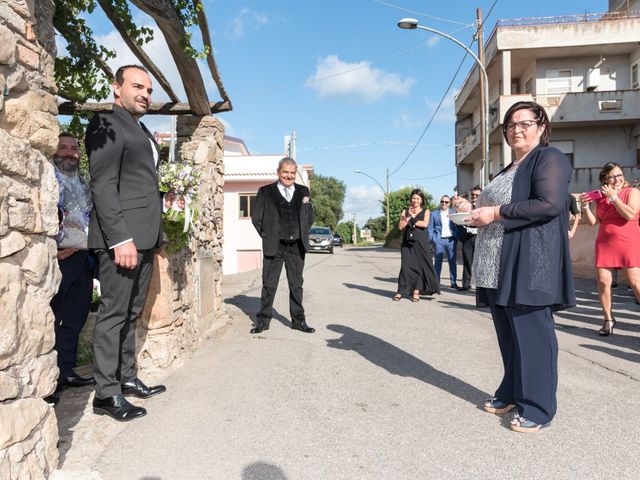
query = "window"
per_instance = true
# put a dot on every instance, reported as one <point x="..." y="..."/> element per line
<point x="558" y="81"/>
<point x="635" y="81"/>
<point x="247" y="200"/>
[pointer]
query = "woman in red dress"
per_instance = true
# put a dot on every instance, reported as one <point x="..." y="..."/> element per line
<point x="618" y="241"/>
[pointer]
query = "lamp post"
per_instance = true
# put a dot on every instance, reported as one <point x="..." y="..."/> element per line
<point x="386" y="192"/>
<point x="412" y="24"/>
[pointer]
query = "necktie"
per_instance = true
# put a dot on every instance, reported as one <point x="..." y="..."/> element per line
<point x="287" y="194"/>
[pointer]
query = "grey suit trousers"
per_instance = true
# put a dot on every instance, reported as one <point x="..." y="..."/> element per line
<point x="123" y="296"/>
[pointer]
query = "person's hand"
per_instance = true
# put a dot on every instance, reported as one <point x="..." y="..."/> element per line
<point x="65" y="253"/>
<point x="169" y="197"/>
<point x="482" y="216"/>
<point x="462" y="205"/>
<point x="585" y="200"/>
<point x="570" y="234"/>
<point x="608" y="191"/>
<point x="126" y="256"/>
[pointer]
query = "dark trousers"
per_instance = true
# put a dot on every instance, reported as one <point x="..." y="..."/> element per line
<point x="529" y="349"/>
<point x="70" y="308"/>
<point x="448" y="246"/>
<point x="123" y="296"/>
<point x="292" y="255"/>
<point x="468" y="248"/>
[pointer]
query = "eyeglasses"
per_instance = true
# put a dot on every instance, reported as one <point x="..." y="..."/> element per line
<point x="614" y="177"/>
<point x="444" y="201"/>
<point x="524" y="125"/>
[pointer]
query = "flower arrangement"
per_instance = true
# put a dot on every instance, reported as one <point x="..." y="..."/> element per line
<point x="179" y="178"/>
<point x="181" y="182"/>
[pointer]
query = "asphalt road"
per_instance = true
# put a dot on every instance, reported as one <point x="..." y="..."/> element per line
<point x="382" y="390"/>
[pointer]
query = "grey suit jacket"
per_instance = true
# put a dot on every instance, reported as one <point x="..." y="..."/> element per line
<point x="266" y="216"/>
<point x="124" y="183"/>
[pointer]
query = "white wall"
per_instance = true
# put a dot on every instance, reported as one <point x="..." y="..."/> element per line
<point x="614" y="72"/>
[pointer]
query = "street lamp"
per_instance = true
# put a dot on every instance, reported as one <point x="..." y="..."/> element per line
<point x="412" y="24"/>
<point x="386" y="192"/>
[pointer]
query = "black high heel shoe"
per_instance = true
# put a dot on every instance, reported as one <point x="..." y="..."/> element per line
<point x="604" y="331"/>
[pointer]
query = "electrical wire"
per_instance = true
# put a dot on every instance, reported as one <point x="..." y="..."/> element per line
<point x="433" y="116"/>
<point x="397" y="7"/>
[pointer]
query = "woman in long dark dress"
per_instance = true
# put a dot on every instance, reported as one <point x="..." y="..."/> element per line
<point x="417" y="274"/>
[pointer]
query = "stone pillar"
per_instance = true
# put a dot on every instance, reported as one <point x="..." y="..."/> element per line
<point x="185" y="295"/>
<point x="29" y="274"/>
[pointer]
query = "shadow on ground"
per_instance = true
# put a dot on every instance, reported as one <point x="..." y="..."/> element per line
<point x="250" y="305"/>
<point x="399" y="362"/>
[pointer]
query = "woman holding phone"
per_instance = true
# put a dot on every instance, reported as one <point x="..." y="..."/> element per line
<point x="417" y="274"/>
<point x="618" y="238"/>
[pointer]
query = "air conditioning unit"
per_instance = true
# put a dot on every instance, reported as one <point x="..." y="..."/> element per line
<point x="610" y="105"/>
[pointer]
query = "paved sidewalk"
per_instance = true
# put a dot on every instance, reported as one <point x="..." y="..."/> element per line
<point x="382" y="390"/>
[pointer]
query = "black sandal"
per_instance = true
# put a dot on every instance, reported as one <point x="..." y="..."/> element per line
<point x="605" y="332"/>
<point x="397" y="297"/>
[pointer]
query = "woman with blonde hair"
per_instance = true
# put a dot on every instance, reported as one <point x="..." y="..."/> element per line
<point x="618" y="237"/>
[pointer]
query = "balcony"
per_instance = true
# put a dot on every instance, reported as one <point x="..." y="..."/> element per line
<point x="579" y="108"/>
<point x="467" y="145"/>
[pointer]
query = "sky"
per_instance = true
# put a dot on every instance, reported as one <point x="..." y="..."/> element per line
<point x="360" y="93"/>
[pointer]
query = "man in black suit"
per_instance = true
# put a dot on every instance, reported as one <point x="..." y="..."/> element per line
<point x="71" y="303"/>
<point x="124" y="230"/>
<point x="282" y="215"/>
<point x="467" y="238"/>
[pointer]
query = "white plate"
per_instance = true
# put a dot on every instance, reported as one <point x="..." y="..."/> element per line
<point x="458" y="218"/>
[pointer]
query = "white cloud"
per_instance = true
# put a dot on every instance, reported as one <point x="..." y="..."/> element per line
<point x="364" y="202"/>
<point x="246" y="20"/>
<point x="356" y="81"/>
<point x="447" y="112"/>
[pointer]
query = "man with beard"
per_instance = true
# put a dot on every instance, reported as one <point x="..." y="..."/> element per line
<point x="71" y="304"/>
<point x="124" y="230"/>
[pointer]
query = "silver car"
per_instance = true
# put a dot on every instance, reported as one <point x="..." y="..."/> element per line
<point x="320" y="239"/>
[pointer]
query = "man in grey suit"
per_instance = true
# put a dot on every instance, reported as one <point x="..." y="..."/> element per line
<point x="124" y="230"/>
<point x="282" y="215"/>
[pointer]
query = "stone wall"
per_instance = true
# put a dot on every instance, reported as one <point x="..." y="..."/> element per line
<point x="185" y="295"/>
<point x="29" y="275"/>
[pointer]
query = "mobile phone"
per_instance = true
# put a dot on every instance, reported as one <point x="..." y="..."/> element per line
<point x="594" y="195"/>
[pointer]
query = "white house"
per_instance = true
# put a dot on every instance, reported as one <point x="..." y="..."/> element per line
<point x="244" y="174"/>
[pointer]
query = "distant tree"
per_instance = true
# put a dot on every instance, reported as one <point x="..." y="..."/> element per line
<point x="327" y="195"/>
<point x="377" y="226"/>
<point x="399" y="200"/>
<point x="345" y="230"/>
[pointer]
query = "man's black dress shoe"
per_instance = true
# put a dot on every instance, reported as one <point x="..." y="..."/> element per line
<point x="260" y="327"/>
<point x="118" y="408"/>
<point x="138" y="389"/>
<point x="52" y="399"/>
<point x="463" y="289"/>
<point x="302" y="326"/>
<point x="75" y="380"/>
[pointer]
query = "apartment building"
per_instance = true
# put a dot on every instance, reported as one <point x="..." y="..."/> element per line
<point x="584" y="70"/>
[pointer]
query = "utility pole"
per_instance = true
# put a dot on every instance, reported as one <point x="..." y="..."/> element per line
<point x="483" y="101"/>
<point x="387" y="195"/>
<point x="292" y="152"/>
<point x="355" y="233"/>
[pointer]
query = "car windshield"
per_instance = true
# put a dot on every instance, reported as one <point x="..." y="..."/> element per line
<point x="320" y="231"/>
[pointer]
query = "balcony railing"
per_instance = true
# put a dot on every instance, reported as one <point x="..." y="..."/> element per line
<point x="566" y="19"/>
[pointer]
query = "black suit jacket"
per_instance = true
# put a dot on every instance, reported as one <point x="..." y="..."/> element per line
<point x="124" y="183"/>
<point x="266" y="216"/>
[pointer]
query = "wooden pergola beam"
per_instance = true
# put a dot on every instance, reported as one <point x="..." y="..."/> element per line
<point x="165" y="15"/>
<point x="156" y="108"/>
<point x="211" y="61"/>
<point x="138" y="51"/>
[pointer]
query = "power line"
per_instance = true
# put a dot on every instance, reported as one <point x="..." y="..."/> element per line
<point x="397" y="7"/>
<point x="372" y="144"/>
<point x="424" y="131"/>
<point x="427" y="178"/>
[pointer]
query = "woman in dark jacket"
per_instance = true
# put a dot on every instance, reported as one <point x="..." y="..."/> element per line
<point x="522" y="265"/>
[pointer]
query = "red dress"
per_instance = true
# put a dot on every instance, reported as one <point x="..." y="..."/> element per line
<point x="618" y="241"/>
